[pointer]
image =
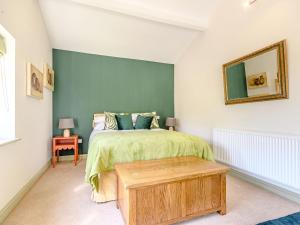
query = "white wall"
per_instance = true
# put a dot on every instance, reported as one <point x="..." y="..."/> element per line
<point x="235" y="31"/>
<point x="21" y="160"/>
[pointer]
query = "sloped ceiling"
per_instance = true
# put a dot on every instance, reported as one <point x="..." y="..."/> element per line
<point x="154" y="30"/>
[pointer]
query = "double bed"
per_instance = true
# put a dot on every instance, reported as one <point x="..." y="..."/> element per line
<point x="108" y="147"/>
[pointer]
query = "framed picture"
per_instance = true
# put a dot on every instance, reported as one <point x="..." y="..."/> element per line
<point x="34" y="82"/>
<point x="48" y="77"/>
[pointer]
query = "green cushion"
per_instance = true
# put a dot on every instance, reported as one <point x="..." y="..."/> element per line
<point x="143" y="122"/>
<point x="154" y="123"/>
<point x="124" y="122"/>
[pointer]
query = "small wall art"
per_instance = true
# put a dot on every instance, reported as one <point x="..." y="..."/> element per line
<point x="34" y="82"/>
<point x="48" y="77"/>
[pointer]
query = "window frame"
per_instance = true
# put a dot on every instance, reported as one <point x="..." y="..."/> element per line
<point x="7" y="91"/>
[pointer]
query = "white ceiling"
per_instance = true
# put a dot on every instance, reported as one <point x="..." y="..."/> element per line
<point x="154" y="30"/>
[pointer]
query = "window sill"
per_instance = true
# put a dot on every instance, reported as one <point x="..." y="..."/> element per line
<point x="8" y="141"/>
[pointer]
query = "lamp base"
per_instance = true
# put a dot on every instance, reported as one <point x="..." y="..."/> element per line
<point x="66" y="133"/>
<point x="171" y="129"/>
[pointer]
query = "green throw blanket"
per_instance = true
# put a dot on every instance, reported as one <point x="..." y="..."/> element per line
<point x="108" y="148"/>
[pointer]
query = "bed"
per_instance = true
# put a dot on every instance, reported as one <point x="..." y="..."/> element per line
<point x="108" y="147"/>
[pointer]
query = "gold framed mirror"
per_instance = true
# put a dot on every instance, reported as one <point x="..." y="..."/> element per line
<point x="259" y="76"/>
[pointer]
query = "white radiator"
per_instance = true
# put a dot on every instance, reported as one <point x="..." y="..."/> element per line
<point x="274" y="158"/>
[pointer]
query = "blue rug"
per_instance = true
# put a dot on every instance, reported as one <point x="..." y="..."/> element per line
<point x="293" y="219"/>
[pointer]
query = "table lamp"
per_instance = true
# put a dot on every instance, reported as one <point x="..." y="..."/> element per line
<point x="66" y="124"/>
<point x="171" y="122"/>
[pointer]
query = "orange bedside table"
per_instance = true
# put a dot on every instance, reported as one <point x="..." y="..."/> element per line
<point x="64" y="143"/>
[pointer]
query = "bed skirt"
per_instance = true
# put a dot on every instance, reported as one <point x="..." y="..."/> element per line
<point x="107" y="188"/>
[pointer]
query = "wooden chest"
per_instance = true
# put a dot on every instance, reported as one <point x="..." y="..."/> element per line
<point x="170" y="190"/>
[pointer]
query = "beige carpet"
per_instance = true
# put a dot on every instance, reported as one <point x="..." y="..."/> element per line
<point x="61" y="197"/>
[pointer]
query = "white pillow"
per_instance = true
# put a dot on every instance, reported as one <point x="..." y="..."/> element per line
<point x="99" y="125"/>
<point x="134" y="117"/>
<point x="99" y="119"/>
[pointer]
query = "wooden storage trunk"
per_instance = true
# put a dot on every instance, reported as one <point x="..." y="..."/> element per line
<point x="170" y="190"/>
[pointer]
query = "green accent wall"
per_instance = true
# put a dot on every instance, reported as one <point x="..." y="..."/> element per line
<point x="87" y="84"/>
<point x="236" y="81"/>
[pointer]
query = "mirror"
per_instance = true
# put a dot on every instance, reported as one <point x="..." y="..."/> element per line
<point x="259" y="76"/>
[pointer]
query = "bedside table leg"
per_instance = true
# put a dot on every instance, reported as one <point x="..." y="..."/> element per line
<point x="76" y="152"/>
<point x="53" y="153"/>
<point x="53" y="159"/>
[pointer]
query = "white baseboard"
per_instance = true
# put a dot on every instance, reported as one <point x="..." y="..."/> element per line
<point x="19" y="196"/>
<point x="285" y="193"/>
<point x="71" y="157"/>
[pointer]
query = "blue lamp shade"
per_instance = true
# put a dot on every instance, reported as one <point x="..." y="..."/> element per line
<point x="66" y="123"/>
<point x="171" y="122"/>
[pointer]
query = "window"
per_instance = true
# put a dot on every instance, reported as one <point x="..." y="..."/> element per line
<point x="7" y="86"/>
